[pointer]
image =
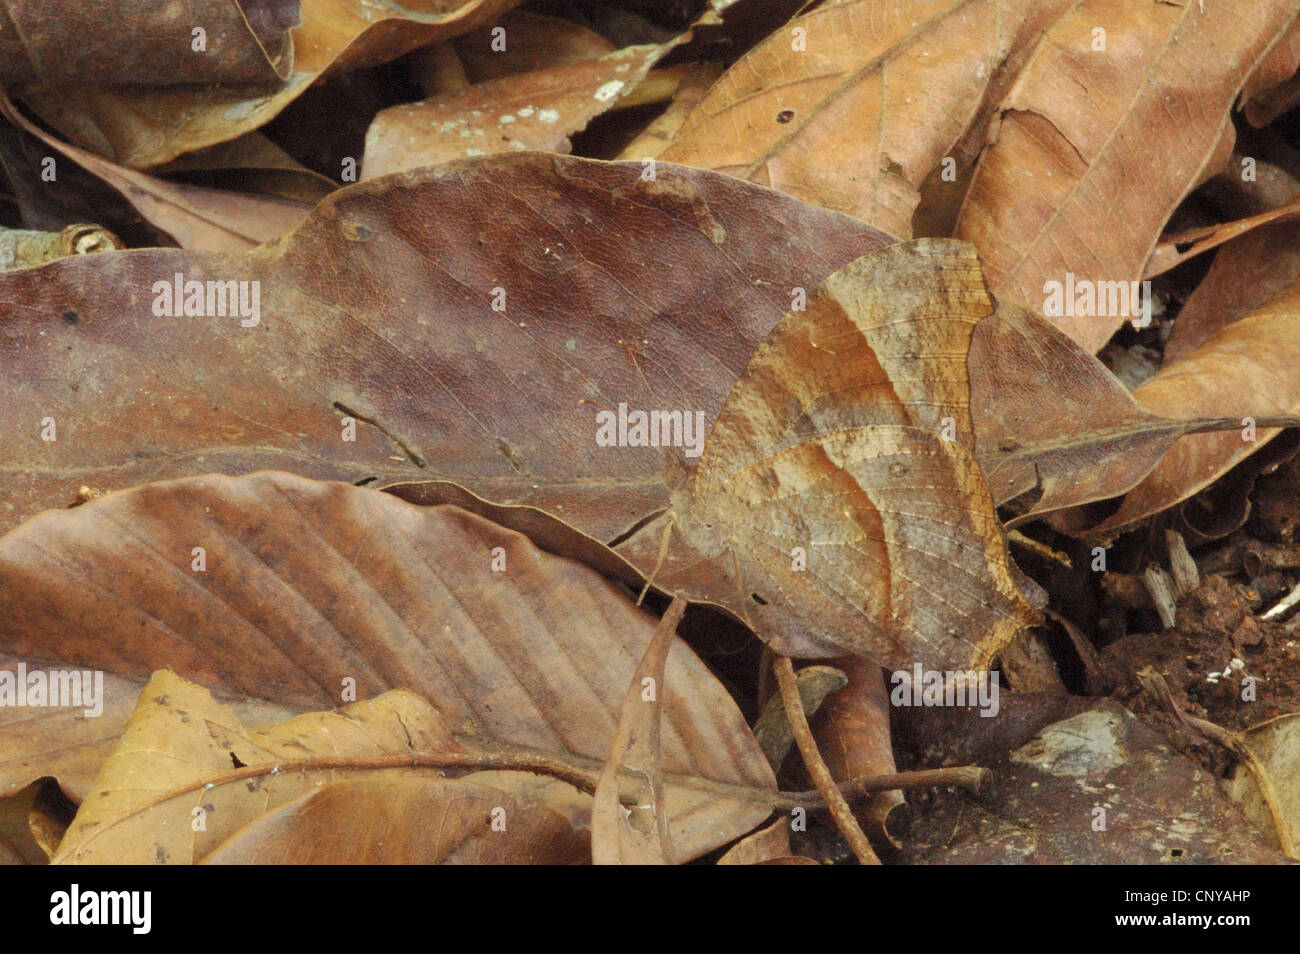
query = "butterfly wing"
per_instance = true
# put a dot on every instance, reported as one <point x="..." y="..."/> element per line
<point x="878" y="541"/>
<point x="882" y="341"/>
<point x="839" y="473"/>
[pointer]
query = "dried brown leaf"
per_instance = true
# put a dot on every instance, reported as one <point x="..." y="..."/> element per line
<point x="140" y="128"/>
<point x="852" y="105"/>
<point x="1245" y="371"/>
<point x="538" y="110"/>
<point x="307" y="589"/>
<point x="70" y="743"/>
<point x="532" y="42"/>
<point x="1077" y="132"/>
<point x="629" y="821"/>
<point x="58" y="42"/>
<point x="761" y="847"/>
<point x="404" y="821"/>
<point x="853" y="734"/>
<point x="198" y="218"/>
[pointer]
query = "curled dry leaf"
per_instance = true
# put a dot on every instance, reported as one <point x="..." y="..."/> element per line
<point x="140" y="128"/>
<point x="1173" y="250"/>
<point x="1245" y="273"/>
<point x="854" y="737"/>
<point x="773" y="727"/>
<point x="24" y="248"/>
<point x="1076" y="130"/>
<point x="74" y="197"/>
<point x="304" y="586"/>
<point x="1249" y="367"/>
<point x="1275" y="745"/>
<point x="761" y="847"/>
<point x="251" y="163"/>
<point x="28" y="834"/>
<point x="64" y="42"/>
<point x="196" y="217"/>
<point x="791" y="113"/>
<point x="539" y="110"/>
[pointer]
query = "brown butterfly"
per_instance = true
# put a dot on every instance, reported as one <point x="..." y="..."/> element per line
<point x="838" y="506"/>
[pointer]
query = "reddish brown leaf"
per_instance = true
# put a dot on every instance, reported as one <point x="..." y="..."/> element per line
<point x="1075" y="134"/>
<point x="587" y="326"/>
<point x="140" y="128"/>
<point x="55" y="42"/>
<point x="539" y="110"/>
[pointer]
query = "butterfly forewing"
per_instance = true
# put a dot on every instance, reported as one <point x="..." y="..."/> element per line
<point x="883" y="341"/>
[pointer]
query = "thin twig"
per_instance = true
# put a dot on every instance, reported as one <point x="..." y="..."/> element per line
<point x="788" y="683"/>
<point x="581" y="773"/>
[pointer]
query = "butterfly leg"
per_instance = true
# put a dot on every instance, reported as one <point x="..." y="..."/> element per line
<point x="663" y="553"/>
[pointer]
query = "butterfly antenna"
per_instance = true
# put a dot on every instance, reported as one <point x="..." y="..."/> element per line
<point x="663" y="553"/>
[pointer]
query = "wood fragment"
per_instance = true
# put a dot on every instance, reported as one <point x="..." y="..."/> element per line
<point x="1186" y="576"/>
<point x="1161" y="587"/>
